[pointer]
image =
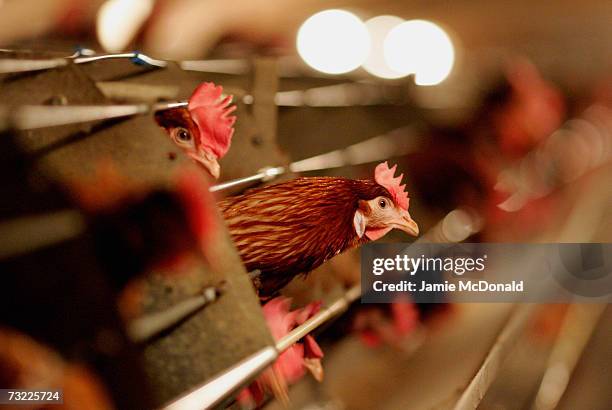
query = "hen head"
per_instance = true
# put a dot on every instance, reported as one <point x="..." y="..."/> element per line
<point x="204" y="129"/>
<point x="375" y="217"/>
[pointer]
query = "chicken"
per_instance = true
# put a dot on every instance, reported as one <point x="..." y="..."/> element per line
<point x="388" y="323"/>
<point x="291" y="364"/>
<point x="293" y="227"/>
<point x="27" y="363"/>
<point x="204" y="129"/>
<point x="138" y="229"/>
<point x="534" y="109"/>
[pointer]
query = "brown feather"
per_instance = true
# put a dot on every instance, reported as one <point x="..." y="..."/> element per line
<point x="175" y="118"/>
<point x="293" y="227"/>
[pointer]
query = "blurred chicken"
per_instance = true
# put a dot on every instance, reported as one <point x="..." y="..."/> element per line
<point x="26" y="363"/>
<point x="534" y="109"/>
<point x="386" y="323"/>
<point x="293" y="363"/>
<point x="293" y="227"/>
<point x="204" y="129"/>
<point x="139" y="228"/>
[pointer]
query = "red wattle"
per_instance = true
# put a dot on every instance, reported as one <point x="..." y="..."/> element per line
<point x="374" y="234"/>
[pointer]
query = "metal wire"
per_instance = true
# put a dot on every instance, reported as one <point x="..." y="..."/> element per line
<point x="475" y="391"/>
<point x="395" y="143"/>
<point x="266" y="174"/>
<point x="135" y="57"/>
<point x="29" y="117"/>
<point x="144" y="328"/>
<point x="11" y="65"/>
<point x="82" y="56"/>
<point x="322" y="317"/>
<point x="215" y="391"/>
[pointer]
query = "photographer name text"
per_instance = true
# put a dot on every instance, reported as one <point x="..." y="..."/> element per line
<point x="461" y="286"/>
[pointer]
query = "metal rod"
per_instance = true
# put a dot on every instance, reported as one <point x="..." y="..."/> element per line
<point x="398" y="142"/>
<point x="137" y="93"/>
<point x="28" y="117"/>
<point x="169" y="105"/>
<point x="382" y="147"/>
<point x="220" y="387"/>
<point x="265" y="174"/>
<point x="83" y="56"/>
<point x="144" y="328"/>
<point x="227" y="66"/>
<point x="323" y="316"/>
<point x="29" y="233"/>
<point x="136" y="57"/>
<point x="458" y="225"/>
<point x="502" y="347"/>
<point x="578" y="325"/>
<point x="348" y="94"/>
<point x="12" y="65"/>
<point x="215" y="391"/>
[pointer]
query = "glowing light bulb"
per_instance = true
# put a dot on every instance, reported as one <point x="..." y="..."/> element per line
<point x="118" y="21"/>
<point x="421" y="48"/>
<point x="333" y="41"/>
<point x="376" y="64"/>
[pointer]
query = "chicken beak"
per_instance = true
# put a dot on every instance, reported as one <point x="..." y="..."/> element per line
<point x="407" y="224"/>
<point x="209" y="163"/>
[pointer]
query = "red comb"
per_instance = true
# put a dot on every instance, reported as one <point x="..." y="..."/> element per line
<point x="383" y="175"/>
<point x="210" y="112"/>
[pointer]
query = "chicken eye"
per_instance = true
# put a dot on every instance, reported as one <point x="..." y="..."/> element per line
<point x="183" y="135"/>
<point x="382" y="203"/>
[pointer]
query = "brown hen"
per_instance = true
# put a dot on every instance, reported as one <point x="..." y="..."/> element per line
<point x="293" y="227"/>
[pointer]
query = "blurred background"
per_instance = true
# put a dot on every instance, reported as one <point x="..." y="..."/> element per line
<point x="499" y="114"/>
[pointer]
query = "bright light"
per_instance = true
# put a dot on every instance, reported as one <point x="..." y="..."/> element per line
<point x="375" y="64"/>
<point x="333" y="41"/>
<point x="421" y="48"/>
<point x="118" y="21"/>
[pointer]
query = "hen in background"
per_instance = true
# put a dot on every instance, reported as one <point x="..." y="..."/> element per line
<point x="204" y="129"/>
